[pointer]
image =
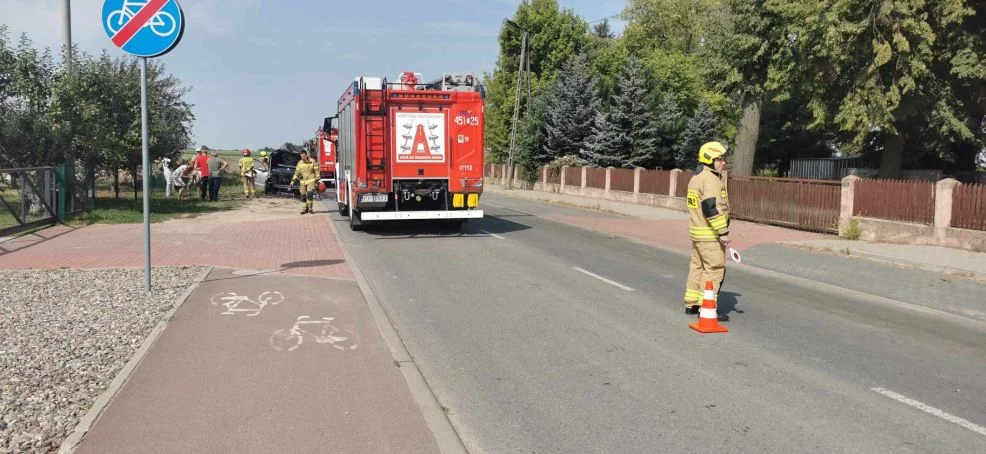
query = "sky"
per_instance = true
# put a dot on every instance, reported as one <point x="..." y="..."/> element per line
<point x="263" y="73"/>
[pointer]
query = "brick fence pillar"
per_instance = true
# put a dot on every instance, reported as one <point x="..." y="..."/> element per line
<point x="943" y="207"/>
<point x="544" y="176"/>
<point x="848" y="196"/>
<point x="673" y="187"/>
<point x="585" y="171"/>
<point x="564" y="170"/>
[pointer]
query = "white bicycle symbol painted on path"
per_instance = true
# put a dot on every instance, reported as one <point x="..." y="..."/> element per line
<point x="240" y="303"/>
<point x="162" y="24"/>
<point x="322" y="331"/>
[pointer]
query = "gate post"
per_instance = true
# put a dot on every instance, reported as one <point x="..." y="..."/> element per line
<point x="62" y="189"/>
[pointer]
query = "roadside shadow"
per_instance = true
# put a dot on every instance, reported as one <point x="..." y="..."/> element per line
<point x="310" y="264"/>
<point x="385" y="230"/>
<point x="443" y="229"/>
<point x="728" y="301"/>
<point x="32" y="239"/>
<point x="499" y="224"/>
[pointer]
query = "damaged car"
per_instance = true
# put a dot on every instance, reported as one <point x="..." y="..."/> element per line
<point x="282" y="166"/>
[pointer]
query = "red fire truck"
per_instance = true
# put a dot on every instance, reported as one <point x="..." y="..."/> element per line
<point x="409" y="150"/>
<point x="325" y="143"/>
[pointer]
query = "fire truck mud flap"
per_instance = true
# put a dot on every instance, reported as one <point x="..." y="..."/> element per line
<point x="412" y="215"/>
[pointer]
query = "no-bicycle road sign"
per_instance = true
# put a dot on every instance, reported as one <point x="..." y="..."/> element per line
<point x="144" y="28"/>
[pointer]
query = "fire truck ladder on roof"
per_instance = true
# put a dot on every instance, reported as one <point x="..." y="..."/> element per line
<point x="375" y="132"/>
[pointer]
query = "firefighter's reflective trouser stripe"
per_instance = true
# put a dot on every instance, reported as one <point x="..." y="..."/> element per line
<point x="708" y="263"/>
<point x="307" y="190"/>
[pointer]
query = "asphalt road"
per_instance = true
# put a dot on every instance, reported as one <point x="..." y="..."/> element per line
<point x="543" y="337"/>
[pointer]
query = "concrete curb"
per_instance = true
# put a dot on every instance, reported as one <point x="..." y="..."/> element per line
<point x="975" y="320"/>
<point x="576" y="201"/>
<point x="85" y="424"/>
<point x="893" y="260"/>
<point x="446" y="437"/>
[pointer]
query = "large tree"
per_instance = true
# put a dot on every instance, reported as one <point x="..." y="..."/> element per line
<point x="626" y="132"/>
<point x="743" y="49"/>
<point x="555" y="34"/>
<point x="884" y="68"/>
<point x="702" y="127"/>
<point x="570" y="123"/>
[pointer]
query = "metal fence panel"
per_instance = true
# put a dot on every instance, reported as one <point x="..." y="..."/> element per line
<point x="621" y="180"/>
<point x="27" y="198"/>
<point x="807" y="204"/>
<point x="824" y="168"/>
<point x="681" y="190"/>
<point x="969" y="206"/>
<point x="573" y="176"/>
<point x="655" y="182"/>
<point x="895" y="200"/>
<point x="595" y="177"/>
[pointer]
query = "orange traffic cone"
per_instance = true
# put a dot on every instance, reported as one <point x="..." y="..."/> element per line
<point x="708" y="319"/>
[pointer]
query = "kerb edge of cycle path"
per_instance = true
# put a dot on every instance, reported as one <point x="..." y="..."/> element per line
<point x="229" y="375"/>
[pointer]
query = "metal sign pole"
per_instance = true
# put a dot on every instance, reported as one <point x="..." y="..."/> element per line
<point x="147" y="173"/>
<point x="146" y="30"/>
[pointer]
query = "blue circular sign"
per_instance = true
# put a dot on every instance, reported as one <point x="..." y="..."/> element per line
<point x="144" y="28"/>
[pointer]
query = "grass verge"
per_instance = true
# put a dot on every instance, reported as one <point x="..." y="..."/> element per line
<point x="126" y="210"/>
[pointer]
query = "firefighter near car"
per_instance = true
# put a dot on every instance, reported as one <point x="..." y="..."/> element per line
<point x="264" y="161"/>
<point x="306" y="173"/>
<point x="248" y="174"/>
<point x="707" y="202"/>
<point x="410" y="150"/>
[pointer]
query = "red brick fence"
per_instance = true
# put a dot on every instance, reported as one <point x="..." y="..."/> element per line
<point x="945" y="213"/>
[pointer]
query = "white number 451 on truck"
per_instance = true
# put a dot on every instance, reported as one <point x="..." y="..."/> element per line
<point x="409" y="150"/>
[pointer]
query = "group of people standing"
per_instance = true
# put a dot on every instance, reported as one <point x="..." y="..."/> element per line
<point x="205" y="169"/>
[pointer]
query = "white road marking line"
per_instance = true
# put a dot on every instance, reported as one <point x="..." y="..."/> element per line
<point x="491" y="234"/>
<point x="613" y="283"/>
<point x="932" y="410"/>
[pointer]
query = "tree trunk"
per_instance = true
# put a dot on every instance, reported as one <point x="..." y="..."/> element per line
<point x="133" y="181"/>
<point x="116" y="181"/>
<point x="746" y="138"/>
<point x="893" y="155"/>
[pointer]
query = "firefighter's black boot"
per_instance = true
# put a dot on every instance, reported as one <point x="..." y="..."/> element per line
<point x="692" y="310"/>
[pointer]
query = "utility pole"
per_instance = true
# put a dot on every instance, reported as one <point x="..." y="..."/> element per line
<point x="69" y="67"/>
<point x="67" y="23"/>
<point x="513" y="126"/>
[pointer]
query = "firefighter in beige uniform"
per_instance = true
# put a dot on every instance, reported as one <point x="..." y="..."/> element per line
<point x="708" y="226"/>
<point x="307" y="173"/>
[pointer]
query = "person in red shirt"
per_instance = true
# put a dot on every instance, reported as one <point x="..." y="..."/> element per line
<point x="202" y="165"/>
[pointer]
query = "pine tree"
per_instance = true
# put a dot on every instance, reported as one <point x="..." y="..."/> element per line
<point x="701" y="128"/>
<point x="669" y="124"/>
<point x="531" y="134"/>
<point x="608" y="145"/>
<point x="636" y="116"/>
<point x="571" y="117"/>
<point x="626" y="134"/>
